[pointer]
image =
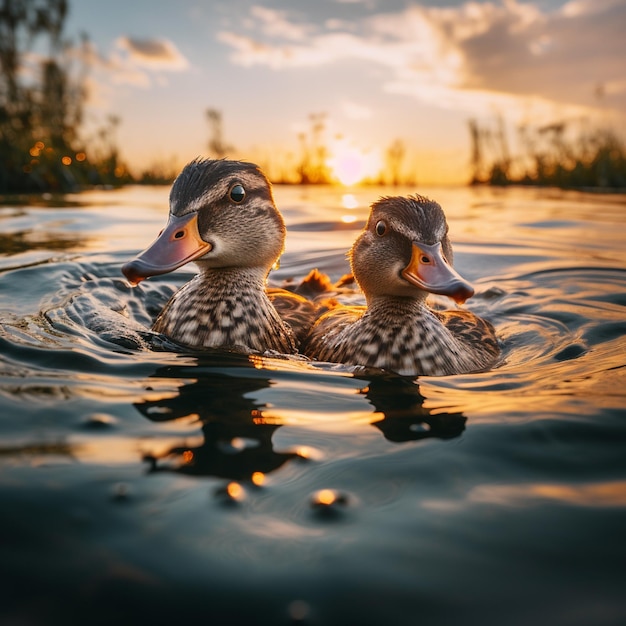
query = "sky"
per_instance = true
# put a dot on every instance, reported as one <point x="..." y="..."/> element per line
<point x="377" y="70"/>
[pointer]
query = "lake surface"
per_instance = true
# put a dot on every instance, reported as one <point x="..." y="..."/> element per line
<point x="141" y="485"/>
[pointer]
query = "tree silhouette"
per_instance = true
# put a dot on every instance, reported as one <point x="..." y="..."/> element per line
<point x="313" y="168"/>
<point x="394" y="158"/>
<point x="217" y="146"/>
<point x="41" y="105"/>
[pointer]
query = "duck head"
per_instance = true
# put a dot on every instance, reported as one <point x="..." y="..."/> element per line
<point x="222" y="215"/>
<point x="404" y="251"/>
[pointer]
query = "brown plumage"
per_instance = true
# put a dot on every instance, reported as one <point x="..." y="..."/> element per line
<point x="402" y="255"/>
<point x="223" y="217"/>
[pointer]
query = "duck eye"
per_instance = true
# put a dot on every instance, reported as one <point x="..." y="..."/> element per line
<point x="237" y="193"/>
<point x="381" y="228"/>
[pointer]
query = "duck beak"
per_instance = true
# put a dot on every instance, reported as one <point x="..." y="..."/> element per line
<point x="429" y="270"/>
<point x="178" y="243"/>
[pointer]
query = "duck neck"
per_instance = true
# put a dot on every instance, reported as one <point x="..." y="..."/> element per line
<point x="396" y="306"/>
<point x="248" y="279"/>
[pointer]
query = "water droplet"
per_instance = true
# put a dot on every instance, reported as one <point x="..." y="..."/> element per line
<point x="325" y="497"/>
<point x="258" y="478"/>
<point x="328" y="501"/>
<point x="306" y="453"/>
<point x="234" y="490"/>
<point x="121" y="492"/>
<point x="298" y="611"/>
<point x="232" y="493"/>
<point x="99" y="421"/>
<point x="237" y="444"/>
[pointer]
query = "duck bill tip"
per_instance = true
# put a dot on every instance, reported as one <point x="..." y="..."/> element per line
<point x="431" y="272"/>
<point x="133" y="276"/>
<point x="461" y="293"/>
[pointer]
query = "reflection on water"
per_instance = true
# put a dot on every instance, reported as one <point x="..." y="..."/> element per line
<point x="237" y="437"/>
<point x="237" y="427"/>
<point x="611" y="493"/>
<point x="354" y="496"/>
<point x="404" y="417"/>
<point x="24" y="241"/>
<point x="52" y="231"/>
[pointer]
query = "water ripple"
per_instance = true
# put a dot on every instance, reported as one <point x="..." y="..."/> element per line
<point x="260" y="476"/>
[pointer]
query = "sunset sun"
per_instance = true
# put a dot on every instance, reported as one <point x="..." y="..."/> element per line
<point x="350" y="165"/>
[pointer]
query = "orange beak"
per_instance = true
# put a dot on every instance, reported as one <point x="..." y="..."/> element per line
<point x="178" y="243"/>
<point x="429" y="270"/>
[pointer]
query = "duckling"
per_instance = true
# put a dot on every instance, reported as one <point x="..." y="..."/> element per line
<point x="222" y="217"/>
<point x="404" y="254"/>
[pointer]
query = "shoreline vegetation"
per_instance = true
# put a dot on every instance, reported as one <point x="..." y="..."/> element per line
<point x="569" y="155"/>
<point x="43" y="148"/>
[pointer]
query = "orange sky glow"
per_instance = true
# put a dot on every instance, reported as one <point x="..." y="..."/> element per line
<point x="377" y="73"/>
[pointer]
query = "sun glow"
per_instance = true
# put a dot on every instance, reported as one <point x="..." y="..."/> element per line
<point x="350" y="165"/>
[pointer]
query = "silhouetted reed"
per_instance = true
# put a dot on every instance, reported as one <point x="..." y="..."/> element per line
<point x="560" y="154"/>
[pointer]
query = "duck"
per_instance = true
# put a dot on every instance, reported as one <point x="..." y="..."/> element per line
<point x="223" y="217"/>
<point x="403" y="255"/>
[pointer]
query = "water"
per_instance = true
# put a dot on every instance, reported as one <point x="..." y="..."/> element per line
<point x="147" y="486"/>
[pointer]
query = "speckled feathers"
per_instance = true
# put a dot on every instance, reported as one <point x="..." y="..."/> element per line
<point x="397" y="330"/>
<point x="230" y="204"/>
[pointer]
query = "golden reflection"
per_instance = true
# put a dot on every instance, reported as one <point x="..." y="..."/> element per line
<point x="274" y="364"/>
<point x="307" y="452"/>
<point x="235" y="491"/>
<point x="349" y="201"/>
<point x="328" y="421"/>
<point x="258" y="478"/>
<point x="304" y="452"/>
<point x="612" y="493"/>
<point x="188" y="456"/>
<point x="238" y="443"/>
<point x="66" y="160"/>
<point x="257" y="361"/>
<point x="258" y="417"/>
<point x="325" y="497"/>
<point x="111" y="450"/>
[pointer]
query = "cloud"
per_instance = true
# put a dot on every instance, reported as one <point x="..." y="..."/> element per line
<point x="139" y="63"/>
<point x="275" y="23"/>
<point x="463" y="56"/>
<point x="575" y="8"/>
<point x="562" y="56"/>
<point x="154" y="54"/>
